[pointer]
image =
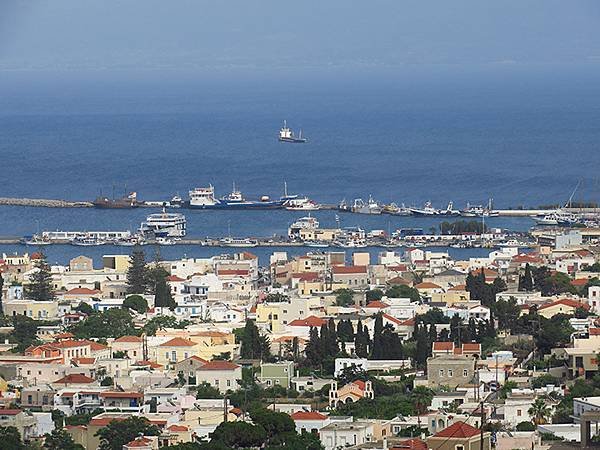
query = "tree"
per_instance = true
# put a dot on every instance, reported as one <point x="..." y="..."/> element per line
<point x="276" y="297"/>
<point x="119" y="432"/>
<point x="159" y="286"/>
<point x="403" y="291"/>
<point x="107" y="381"/>
<point x="539" y="411"/>
<point x="506" y="312"/>
<point x="59" y="439"/>
<point x="421" y="396"/>
<point x="526" y="280"/>
<point x="525" y="426"/>
<point x="253" y="344"/>
<point x="205" y="390"/>
<point x="313" y="349"/>
<point x="40" y="287"/>
<point x="274" y="423"/>
<point x="162" y="322"/>
<point x="137" y="273"/>
<point x="239" y="435"/>
<point x="112" y="323"/>
<point x="11" y="438"/>
<point x="136" y="302"/>
<point x="344" y="297"/>
<point x="373" y="294"/>
<point x="85" y="309"/>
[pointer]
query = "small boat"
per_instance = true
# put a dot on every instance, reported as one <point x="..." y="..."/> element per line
<point x="301" y="204"/>
<point x="165" y="241"/>
<point x="176" y="202"/>
<point x="87" y="241"/>
<point x="316" y="244"/>
<point x="238" y="242"/>
<point x="36" y="240"/>
<point x="287" y="135"/>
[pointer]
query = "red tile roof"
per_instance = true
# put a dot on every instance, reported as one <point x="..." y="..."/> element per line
<point x="310" y="321"/>
<point x="567" y="302"/>
<point x="178" y="428"/>
<point x="308" y="415"/>
<point x="139" y="442"/>
<point x="134" y="339"/>
<point x="471" y="347"/>
<point x="377" y="304"/>
<point x="392" y="319"/>
<point x="178" y="342"/>
<point x="594" y="331"/>
<point x="341" y="270"/>
<point x="580" y="282"/>
<point x="219" y="365"/>
<point x="458" y="430"/>
<point x="427" y="285"/>
<point x="82" y="291"/>
<point x="409" y="322"/>
<point x="174" y="279"/>
<point x="75" y="378"/>
<point x="10" y="412"/>
<point x="306" y="276"/>
<point x="410" y="444"/>
<point x="441" y="346"/>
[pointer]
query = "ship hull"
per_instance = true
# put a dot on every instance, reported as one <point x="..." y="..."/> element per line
<point x="292" y="140"/>
<point x="239" y="206"/>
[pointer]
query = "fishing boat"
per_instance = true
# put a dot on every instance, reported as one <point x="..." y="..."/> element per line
<point x="370" y="207"/>
<point x="429" y="211"/>
<point x="37" y="240"/>
<point x="287" y="135"/>
<point x="396" y="210"/>
<point x="557" y="218"/>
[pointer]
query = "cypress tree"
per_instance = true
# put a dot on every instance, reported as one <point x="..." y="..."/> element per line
<point x="1" y="294"/>
<point x="40" y="286"/>
<point x="377" y="337"/>
<point x="313" y="348"/>
<point x="526" y="280"/>
<point x="137" y="274"/>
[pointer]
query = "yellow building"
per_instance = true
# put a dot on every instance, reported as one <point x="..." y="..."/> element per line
<point x="175" y="350"/>
<point x="118" y="263"/>
<point x="451" y="297"/>
<point x="33" y="309"/>
<point x="562" y="306"/>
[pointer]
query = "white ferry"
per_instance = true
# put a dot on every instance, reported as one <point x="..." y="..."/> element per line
<point x="67" y="236"/>
<point x="304" y="223"/>
<point x="164" y="225"/>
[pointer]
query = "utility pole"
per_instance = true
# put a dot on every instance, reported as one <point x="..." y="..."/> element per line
<point x="225" y="412"/>
<point x="481" y="427"/>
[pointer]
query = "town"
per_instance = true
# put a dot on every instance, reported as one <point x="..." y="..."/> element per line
<point x="328" y="350"/>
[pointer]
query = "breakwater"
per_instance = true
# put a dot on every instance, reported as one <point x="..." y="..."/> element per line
<point x="43" y="203"/>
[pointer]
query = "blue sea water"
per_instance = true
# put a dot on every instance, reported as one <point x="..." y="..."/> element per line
<point x="519" y="136"/>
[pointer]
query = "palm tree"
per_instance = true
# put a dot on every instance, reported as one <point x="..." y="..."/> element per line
<point x="421" y="397"/>
<point x="539" y="411"/>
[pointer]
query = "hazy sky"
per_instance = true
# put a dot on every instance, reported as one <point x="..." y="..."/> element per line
<point x="182" y="34"/>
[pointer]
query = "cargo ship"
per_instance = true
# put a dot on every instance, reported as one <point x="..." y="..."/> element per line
<point x="287" y="135"/>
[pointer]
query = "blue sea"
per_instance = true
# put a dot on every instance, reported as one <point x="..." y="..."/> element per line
<point x="524" y="136"/>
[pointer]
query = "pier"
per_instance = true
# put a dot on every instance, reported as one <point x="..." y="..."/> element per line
<point x="43" y="203"/>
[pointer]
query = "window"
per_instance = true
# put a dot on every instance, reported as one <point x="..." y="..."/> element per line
<point x="518" y="413"/>
<point x="465" y="373"/>
<point x="441" y="372"/>
<point x="450" y="373"/>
